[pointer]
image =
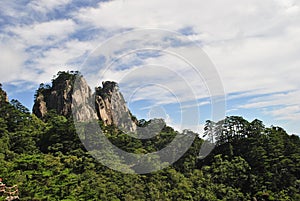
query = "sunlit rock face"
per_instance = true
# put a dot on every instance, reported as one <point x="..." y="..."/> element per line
<point x="111" y="107"/>
<point x="58" y="97"/>
<point x="106" y="104"/>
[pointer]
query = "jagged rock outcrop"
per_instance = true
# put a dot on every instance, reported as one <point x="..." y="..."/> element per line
<point x="111" y="107"/>
<point x="3" y="96"/>
<point x="39" y="107"/>
<point x="82" y="101"/>
<point x="108" y="103"/>
<point x="58" y="97"/>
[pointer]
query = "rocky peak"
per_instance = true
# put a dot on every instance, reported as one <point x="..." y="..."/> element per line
<point x="3" y="96"/>
<point x="109" y="104"/>
<point x="111" y="107"/>
<point x="58" y="97"/>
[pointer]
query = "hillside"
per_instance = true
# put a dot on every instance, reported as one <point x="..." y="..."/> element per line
<point x="42" y="154"/>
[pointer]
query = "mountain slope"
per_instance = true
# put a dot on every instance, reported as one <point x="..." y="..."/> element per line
<point x="47" y="161"/>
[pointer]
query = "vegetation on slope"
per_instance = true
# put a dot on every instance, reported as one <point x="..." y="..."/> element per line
<point x="48" y="162"/>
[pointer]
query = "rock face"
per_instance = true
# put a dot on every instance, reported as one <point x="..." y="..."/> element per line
<point x="111" y="107"/>
<point x="3" y="96"/>
<point x="58" y="97"/>
<point x="82" y="101"/>
<point x="106" y="104"/>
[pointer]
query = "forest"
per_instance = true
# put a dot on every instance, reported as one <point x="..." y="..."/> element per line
<point x="47" y="161"/>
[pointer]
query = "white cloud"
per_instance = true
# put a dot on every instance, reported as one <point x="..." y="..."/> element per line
<point x="11" y="61"/>
<point x="51" y="50"/>
<point x="249" y="40"/>
<point x="45" y="33"/>
<point x="286" y="98"/>
<point x="47" y="5"/>
<point x="282" y="106"/>
<point x="287" y="113"/>
<point x="68" y="56"/>
<point x="218" y="20"/>
<point x="11" y="8"/>
<point x="252" y="43"/>
<point x="163" y="79"/>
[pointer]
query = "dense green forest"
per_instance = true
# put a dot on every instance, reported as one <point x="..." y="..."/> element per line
<point x="47" y="161"/>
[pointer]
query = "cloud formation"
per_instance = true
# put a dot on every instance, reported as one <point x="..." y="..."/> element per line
<point x="253" y="44"/>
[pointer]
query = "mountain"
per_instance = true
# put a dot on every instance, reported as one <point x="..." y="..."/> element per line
<point x="3" y="96"/>
<point x="44" y="158"/>
<point x="109" y="104"/>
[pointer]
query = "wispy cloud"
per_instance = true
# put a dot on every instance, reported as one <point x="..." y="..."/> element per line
<point x="46" y="5"/>
<point x="253" y="44"/>
<point x="45" y="33"/>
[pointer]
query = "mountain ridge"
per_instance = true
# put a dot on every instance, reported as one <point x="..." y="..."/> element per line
<point x="109" y="104"/>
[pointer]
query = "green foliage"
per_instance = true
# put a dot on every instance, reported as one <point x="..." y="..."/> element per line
<point x="48" y="162"/>
<point x="270" y="155"/>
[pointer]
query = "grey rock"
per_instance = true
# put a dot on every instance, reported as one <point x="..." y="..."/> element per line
<point x="106" y="104"/>
<point x="3" y="96"/>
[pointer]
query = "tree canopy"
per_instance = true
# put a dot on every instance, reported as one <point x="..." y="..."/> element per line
<point x="48" y="162"/>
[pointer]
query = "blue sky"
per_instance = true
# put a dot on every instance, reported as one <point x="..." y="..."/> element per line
<point x="253" y="45"/>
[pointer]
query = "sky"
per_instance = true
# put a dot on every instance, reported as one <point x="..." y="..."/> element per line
<point x="172" y="59"/>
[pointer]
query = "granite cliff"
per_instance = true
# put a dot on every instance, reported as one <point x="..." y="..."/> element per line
<point x="58" y="97"/>
<point x="109" y="104"/>
<point x="111" y="107"/>
<point x="3" y="96"/>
